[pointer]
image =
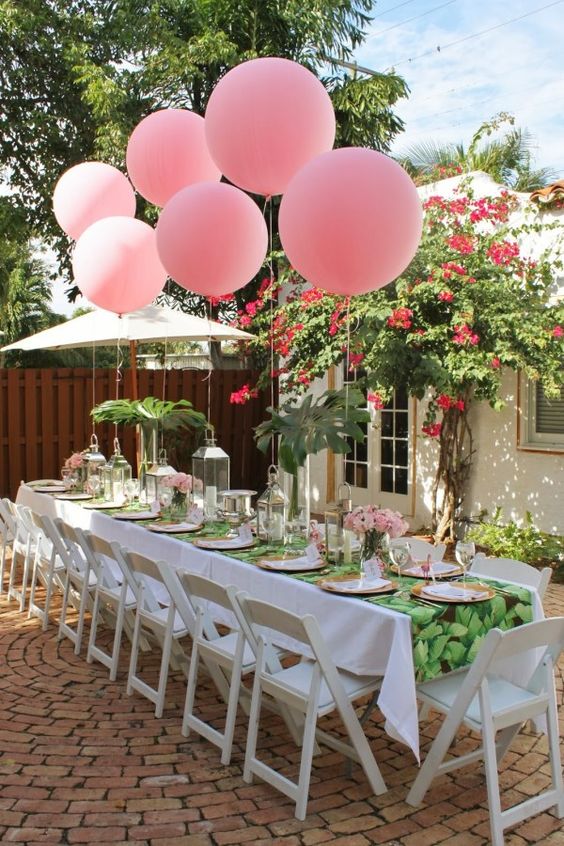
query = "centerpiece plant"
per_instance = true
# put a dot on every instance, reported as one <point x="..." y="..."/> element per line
<point x="326" y="422"/>
<point x="152" y="415"/>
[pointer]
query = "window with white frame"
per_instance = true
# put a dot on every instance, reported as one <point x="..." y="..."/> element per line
<point x="543" y="419"/>
<point x="394" y="444"/>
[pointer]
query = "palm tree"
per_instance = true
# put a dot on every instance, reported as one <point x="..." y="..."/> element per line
<point x="507" y="159"/>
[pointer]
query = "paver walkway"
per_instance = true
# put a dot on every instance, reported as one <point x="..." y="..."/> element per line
<point x="82" y="762"/>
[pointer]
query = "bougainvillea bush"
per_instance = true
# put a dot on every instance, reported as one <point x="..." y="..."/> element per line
<point x="472" y="302"/>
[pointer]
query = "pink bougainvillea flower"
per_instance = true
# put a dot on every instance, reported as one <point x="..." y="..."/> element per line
<point x="557" y="332"/>
<point x="432" y="430"/>
<point x="446" y="296"/>
<point x="244" y="394"/>
<point x="495" y="363"/>
<point x="375" y="399"/>
<point x="461" y="244"/>
<point x="400" y="318"/>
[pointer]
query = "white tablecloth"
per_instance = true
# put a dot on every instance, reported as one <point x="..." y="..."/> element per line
<point x="363" y="638"/>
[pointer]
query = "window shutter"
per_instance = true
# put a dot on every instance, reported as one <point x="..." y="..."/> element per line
<point x="549" y="413"/>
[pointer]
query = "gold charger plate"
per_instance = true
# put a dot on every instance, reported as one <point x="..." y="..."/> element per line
<point x="482" y="593"/>
<point x="343" y="584"/>
<point x="455" y="570"/>
<point x="168" y="528"/>
<point x="218" y="544"/>
<point x="281" y="560"/>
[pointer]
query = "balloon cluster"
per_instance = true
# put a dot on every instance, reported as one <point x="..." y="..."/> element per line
<point x="350" y="219"/>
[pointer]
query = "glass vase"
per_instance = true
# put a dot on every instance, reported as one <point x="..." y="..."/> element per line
<point x="372" y="548"/>
<point x="178" y="507"/>
<point x="148" y="452"/>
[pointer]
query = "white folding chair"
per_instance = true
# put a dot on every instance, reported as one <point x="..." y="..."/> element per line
<point x="49" y="567"/>
<point x="481" y="698"/>
<point x="420" y="549"/>
<point x="511" y="570"/>
<point x="7" y="536"/>
<point x="114" y="598"/>
<point x="152" y="617"/>
<point x="313" y="688"/>
<point x="25" y="546"/>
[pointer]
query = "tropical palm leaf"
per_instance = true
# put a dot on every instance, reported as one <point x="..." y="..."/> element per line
<point x="169" y="415"/>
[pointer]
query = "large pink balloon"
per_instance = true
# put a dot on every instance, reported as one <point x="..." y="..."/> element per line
<point x="89" y="192"/>
<point x="350" y="221"/>
<point x="116" y="264"/>
<point x="167" y="151"/>
<point x="265" y="119"/>
<point x="212" y="238"/>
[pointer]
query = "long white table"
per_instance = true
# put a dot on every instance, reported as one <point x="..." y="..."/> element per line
<point x="363" y="638"/>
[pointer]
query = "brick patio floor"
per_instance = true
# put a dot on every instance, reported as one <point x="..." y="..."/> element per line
<point x="82" y="762"/>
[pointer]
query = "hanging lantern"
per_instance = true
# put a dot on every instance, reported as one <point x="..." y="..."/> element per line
<point x="155" y="475"/>
<point x="93" y="458"/>
<point x="271" y="510"/>
<point x="115" y="474"/>
<point x="210" y="472"/>
<point x="337" y="538"/>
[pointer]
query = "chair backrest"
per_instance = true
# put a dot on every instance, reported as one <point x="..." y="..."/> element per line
<point x="420" y="549"/>
<point x="139" y="570"/>
<point x="511" y="570"/>
<point x="498" y="646"/>
<point x="99" y="552"/>
<point x="51" y="530"/>
<point x="67" y="538"/>
<point x="7" y="516"/>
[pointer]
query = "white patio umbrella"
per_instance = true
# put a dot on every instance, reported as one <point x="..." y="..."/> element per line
<point x="104" y="328"/>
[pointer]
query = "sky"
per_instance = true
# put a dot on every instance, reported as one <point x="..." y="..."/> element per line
<point x="518" y="67"/>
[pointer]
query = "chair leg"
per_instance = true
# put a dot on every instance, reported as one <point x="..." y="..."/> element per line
<point x="191" y="689"/>
<point x="252" y="732"/>
<point x="231" y="715"/>
<point x="116" y="645"/>
<point x="93" y="628"/>
<point x="433" y="760"/>
<point x="492" y="782"/>
<point x="163" y="675"/>
<point x="554" y="749"/>
<point x="134" y="650"/>
<point x="306" y="757"/>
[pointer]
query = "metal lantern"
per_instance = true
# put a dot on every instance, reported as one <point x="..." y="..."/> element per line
<point x="115" y="474"/>
<point x="93" y="458"/>
<point x="210" y="472"/>
<point x="271" y="510"/>
<point x="155" y="475"/>
<point x="335" y="539"/>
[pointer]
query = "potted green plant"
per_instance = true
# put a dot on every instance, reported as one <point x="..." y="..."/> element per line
<point x="326" y="422"/>
<point x="151" y="415"/>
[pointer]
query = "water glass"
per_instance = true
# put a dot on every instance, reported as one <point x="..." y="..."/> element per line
<point x="400" y="554"/>
<point x="465" y="552"/>
<point x="131" y="489"/>
<point x="94" y="484"/>
<point x="69" y="478"/>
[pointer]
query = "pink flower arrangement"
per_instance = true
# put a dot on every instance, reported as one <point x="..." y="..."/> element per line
<point x="74" y="461"/>
<point x="366" y="518"/>
<point x="182" y="482"/>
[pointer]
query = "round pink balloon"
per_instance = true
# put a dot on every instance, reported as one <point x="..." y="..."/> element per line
<point x="167" y="151"/>
<point x="116" y="264"/>
<point x="350" y="221"/>
<point x="265" y="119"/>
<point x="89" y="192"/>
<point x="212" y="238"/>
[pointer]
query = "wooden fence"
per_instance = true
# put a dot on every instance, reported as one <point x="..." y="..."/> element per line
<point x="45" y="416"/>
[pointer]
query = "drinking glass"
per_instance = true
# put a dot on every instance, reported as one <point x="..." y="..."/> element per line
<point x="400" y="554"/>
<point x="131" y="488"/>
<point x="69" y="478"/>
<point x="165" y="499"/>
<point x="94" y="484"/>
<point x="465" y="552"/>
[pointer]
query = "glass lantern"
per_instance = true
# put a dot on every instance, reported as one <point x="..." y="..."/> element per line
<point x="272" y="506"/>
<point x="93" y="458"/>
<point x="155" y="475"/>
<point x="115" y="474"/>
<point x="337" y="538"/>
<point x="210" y="472"/>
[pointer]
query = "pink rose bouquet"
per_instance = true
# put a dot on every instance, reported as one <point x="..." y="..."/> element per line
<point x="182" y="482"/>
<point x="366" y="518"/>
<point x="74" y="461"/>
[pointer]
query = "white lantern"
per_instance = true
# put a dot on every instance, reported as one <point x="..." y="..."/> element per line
<point x="155" y="475"/>
<point x="210" y="473"/>
<point x="115" y="474"/>
<point x="271" y="510"/>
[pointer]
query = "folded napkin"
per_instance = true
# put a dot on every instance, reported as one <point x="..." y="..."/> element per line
<point x="450" y="591"/>
<point x="301" y="563"/>
<point x="437" y="568"/>
<point x="225" y="543"/>
<point x="172" y="527"/>
<point x="134" y="515"/>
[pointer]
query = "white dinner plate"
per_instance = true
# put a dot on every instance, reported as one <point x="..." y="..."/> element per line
<point x="136" y="515"/>
<point x="300" y="564"/>
<point x="74" y="496"/>
<point x="440" y="570"/>
<point x="101" y="506"/>
<point x="353" y="586"/>
<point x="223" y="543"/>
<point x="49" y="489"/>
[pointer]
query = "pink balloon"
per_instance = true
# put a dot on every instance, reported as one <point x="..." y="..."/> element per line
<point x="212" y="238"/>
<point x="89" y="192"/>
<point x="116" y="264"/>
<point x="350" y="221"/>
<point x="167" y="151"/>
<point x="265" y="119"/>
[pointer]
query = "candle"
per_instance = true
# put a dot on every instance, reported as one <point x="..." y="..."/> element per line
<point x="211" y="496"/>
<point x="347" y="546"/>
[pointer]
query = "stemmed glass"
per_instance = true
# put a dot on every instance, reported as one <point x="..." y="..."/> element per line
<point x="400" y="553"/>
<point x="94" y="484"/>
<point x="165" y="499"/>
<point x="465" y="552"/>
<point x="131" y="488"/>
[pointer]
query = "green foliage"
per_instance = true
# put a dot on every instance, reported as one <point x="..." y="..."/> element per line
<point x="524" y="543"/>
<point x="77" y="76"/>
<point x="169" y="415"/>
<point x="508" y="159"/>
<point x="314" y="425"/>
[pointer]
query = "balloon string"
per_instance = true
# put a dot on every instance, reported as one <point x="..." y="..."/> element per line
<point x="209" y="374"/>
<point x="161" y="433"/>
<point x="119" y="375"/>
<point x="348" y="363"/>
<point x="93" y="385"/>
<point x="271" y="268"/>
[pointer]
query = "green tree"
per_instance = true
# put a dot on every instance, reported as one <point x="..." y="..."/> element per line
<point x="77" y="76"/>
<point x="507" y="158"/>
<point x="472" y="302"/>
